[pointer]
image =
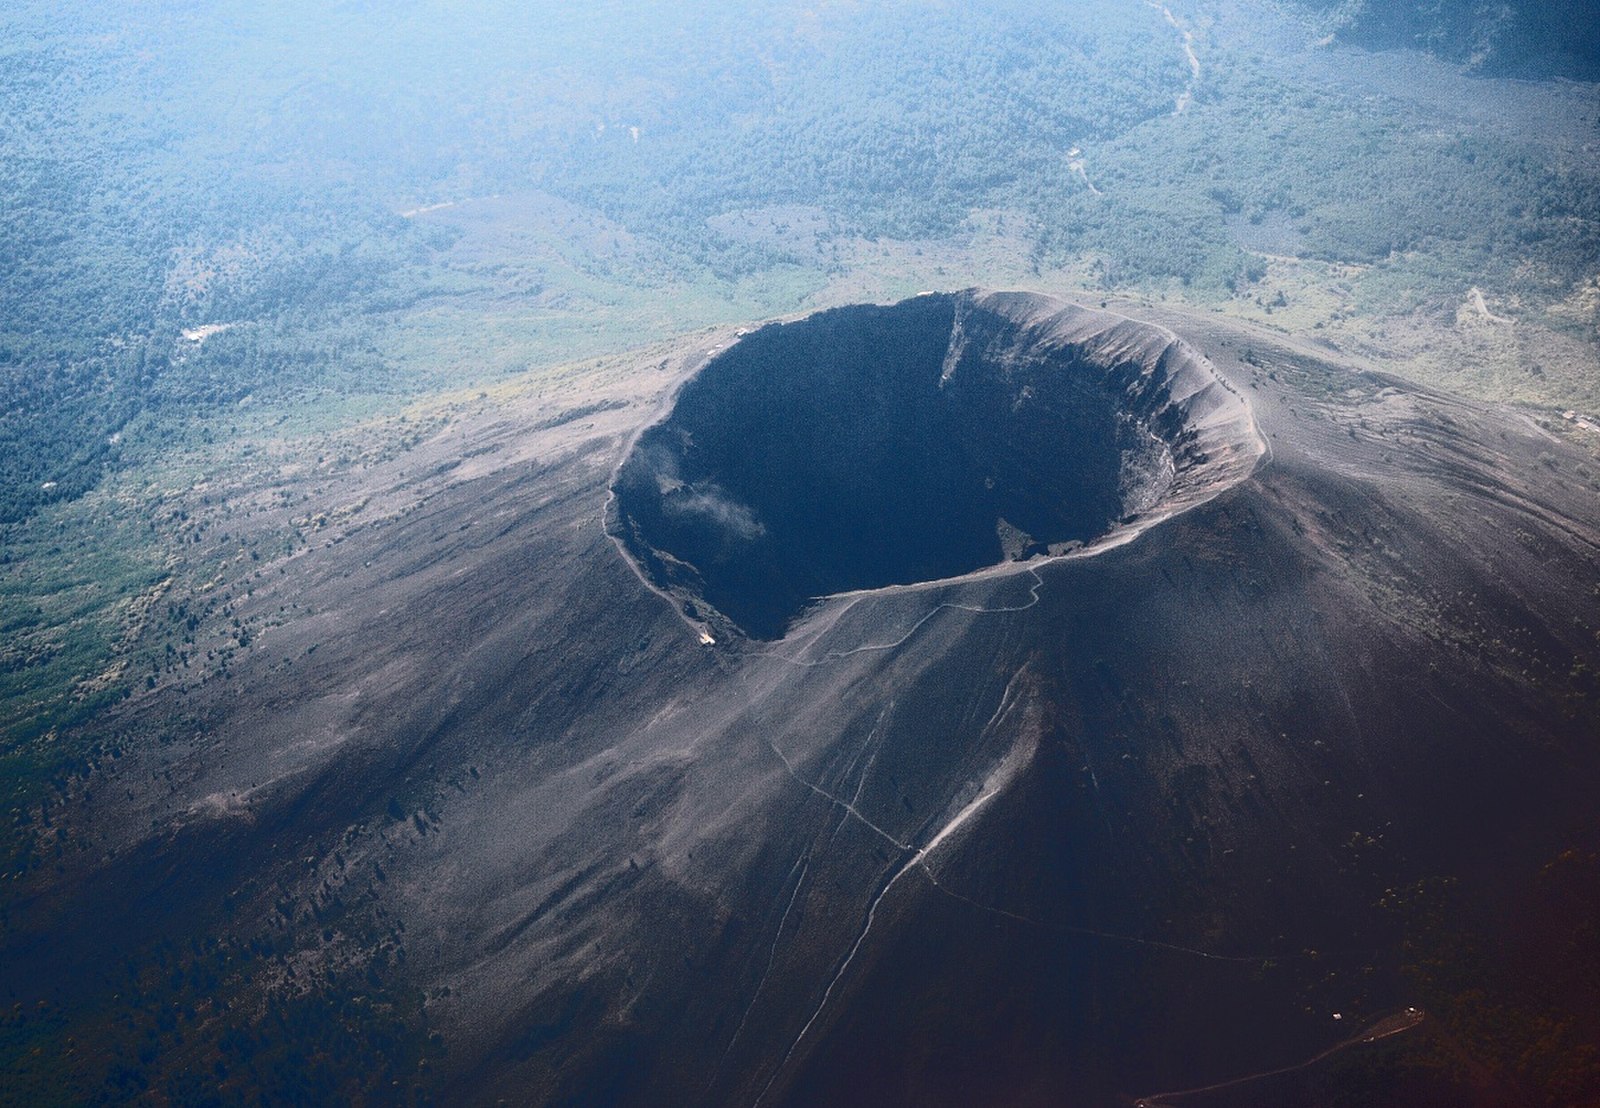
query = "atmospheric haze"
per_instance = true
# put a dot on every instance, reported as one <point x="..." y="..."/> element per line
<point x="891" y="554"/>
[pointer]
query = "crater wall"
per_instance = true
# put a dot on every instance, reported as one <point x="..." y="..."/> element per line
<point x="871" y="446"/>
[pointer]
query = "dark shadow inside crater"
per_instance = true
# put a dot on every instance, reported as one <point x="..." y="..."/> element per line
<point x="871" y="446"/>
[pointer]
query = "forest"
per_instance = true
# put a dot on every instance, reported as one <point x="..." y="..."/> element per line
<point x="140" y="207"/>
<point x="1525" y="39"/>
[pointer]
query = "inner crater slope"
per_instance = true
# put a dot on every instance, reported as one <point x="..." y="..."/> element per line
<point x="870" y="446"/>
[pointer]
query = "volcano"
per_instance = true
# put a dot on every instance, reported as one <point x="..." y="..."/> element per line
<point x="979" y="699"/>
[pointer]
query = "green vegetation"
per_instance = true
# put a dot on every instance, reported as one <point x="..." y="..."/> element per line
<point x="1528" y="39"/>
<point x="189" y="1027"/>
<point x="245" y="170"/>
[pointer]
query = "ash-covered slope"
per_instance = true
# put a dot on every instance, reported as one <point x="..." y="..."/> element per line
<point x="1310" y="746"/>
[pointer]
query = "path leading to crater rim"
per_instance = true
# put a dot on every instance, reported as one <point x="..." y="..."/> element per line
<point x="992" y="786"/>
<point x="836" y="655"/>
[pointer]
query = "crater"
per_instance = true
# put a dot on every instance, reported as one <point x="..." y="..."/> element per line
<point x="871" y="446"/>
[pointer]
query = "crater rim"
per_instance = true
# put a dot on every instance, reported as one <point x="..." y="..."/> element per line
<point x="1208" y="430"/>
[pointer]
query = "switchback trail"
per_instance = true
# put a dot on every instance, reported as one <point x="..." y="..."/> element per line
<point x="836" y="655"/>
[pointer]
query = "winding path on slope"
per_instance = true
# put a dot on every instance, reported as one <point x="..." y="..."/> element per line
<point x="1396" y="1024"/>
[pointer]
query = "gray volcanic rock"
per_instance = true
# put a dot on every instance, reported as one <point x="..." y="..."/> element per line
<point x="1031" y="828"/>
